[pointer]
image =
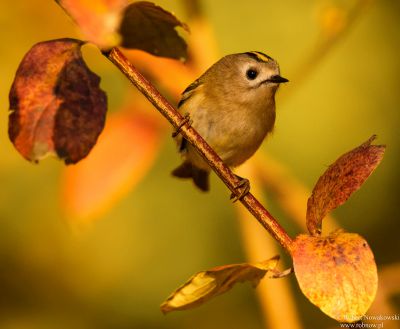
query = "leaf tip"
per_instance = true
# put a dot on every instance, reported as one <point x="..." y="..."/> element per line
<point x="370" y="140"/>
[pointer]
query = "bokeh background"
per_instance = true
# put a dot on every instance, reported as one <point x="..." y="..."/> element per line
<point x="341" y="58"/>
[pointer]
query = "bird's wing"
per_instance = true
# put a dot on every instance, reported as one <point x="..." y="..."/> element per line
<point x="189" y="91"/>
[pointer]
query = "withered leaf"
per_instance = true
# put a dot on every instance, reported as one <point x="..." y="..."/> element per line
<point x="205" y="285"/>
<point x="337" y="273"/>
<point x="56" y="105"/>
<point x="98" y="20"/>
<point x="150" y="28"/>
<point x="340" y="180"/>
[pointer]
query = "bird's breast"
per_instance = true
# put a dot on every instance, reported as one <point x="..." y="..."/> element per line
<point x="236" y="134"/>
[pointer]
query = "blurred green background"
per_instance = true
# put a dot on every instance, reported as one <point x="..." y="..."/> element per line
<point x="116" y="274"/>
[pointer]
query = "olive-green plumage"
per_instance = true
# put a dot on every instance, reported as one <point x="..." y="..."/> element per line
<point x="232" y="105"/>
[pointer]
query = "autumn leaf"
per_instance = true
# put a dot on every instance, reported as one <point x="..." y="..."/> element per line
<point x="98" y="20"/>
<point x="123" y="155"/>
<point x="340" y="180"/>
<point x="205" y="285"/>
<point x="336" y="273"/>
<point x="150" y="28"/>
<point x="139" y="25"/>
<point x="56" y="105"/>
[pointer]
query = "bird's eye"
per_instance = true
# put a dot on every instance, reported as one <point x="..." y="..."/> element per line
<point x="251" y="74"/>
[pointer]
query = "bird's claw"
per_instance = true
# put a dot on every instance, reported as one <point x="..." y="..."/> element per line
<point x="186" y="120"/>
<point x="244" y="186"/>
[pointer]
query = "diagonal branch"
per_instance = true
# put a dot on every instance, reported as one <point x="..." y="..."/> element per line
<point x="215" y="162"/>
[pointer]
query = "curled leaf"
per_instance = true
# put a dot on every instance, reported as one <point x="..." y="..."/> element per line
<point x="150" y="28"/>
<point x="56" y="104"/>
<point x="123" y="155"/>
<point x="340" y="180"/>
<point x="98" y="20"/>
<point x="336" y="273"/>
<point x="203" y="286"/>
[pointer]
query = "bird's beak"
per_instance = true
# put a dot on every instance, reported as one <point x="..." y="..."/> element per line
<point x="277" y="79"/>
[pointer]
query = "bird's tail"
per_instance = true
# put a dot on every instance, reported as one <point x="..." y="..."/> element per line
<point x="200" y="177"/>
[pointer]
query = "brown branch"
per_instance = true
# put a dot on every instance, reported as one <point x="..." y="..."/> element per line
<point x="215" y="162"/>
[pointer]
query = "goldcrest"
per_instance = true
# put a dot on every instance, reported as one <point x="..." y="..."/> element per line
<point x="232" y="106"/>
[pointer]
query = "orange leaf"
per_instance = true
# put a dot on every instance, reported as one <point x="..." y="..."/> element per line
<point x="56" y="104"/>
<point x="203" y="286"/>
<point x="336" y="273"/>
<point x="340" y="180"/>
<point x="125" y="152"/>
<point x="162" y="69"/>
<point x="98" y="20"/>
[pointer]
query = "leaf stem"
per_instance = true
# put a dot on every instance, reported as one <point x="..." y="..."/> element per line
<point x="215" y="162"/>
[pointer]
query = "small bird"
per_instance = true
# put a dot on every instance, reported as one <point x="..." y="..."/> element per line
<point x="232" y="106"/>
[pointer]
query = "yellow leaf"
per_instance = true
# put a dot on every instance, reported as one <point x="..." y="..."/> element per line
<point x="337" y="273"/>
<point x="207" y="284"/>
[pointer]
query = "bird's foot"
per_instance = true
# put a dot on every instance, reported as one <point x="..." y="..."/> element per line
<point x="186" y="120"/>
<point x="242" y="188"/>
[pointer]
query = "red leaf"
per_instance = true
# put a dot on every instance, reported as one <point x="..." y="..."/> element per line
<point x="56" y="104"/>
<point x="340" y="180"/>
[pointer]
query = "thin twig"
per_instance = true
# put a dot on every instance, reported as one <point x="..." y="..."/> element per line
<point x="215" y="162"/>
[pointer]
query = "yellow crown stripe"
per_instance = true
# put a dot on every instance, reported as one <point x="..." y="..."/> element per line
<point x="262" y="57"/>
